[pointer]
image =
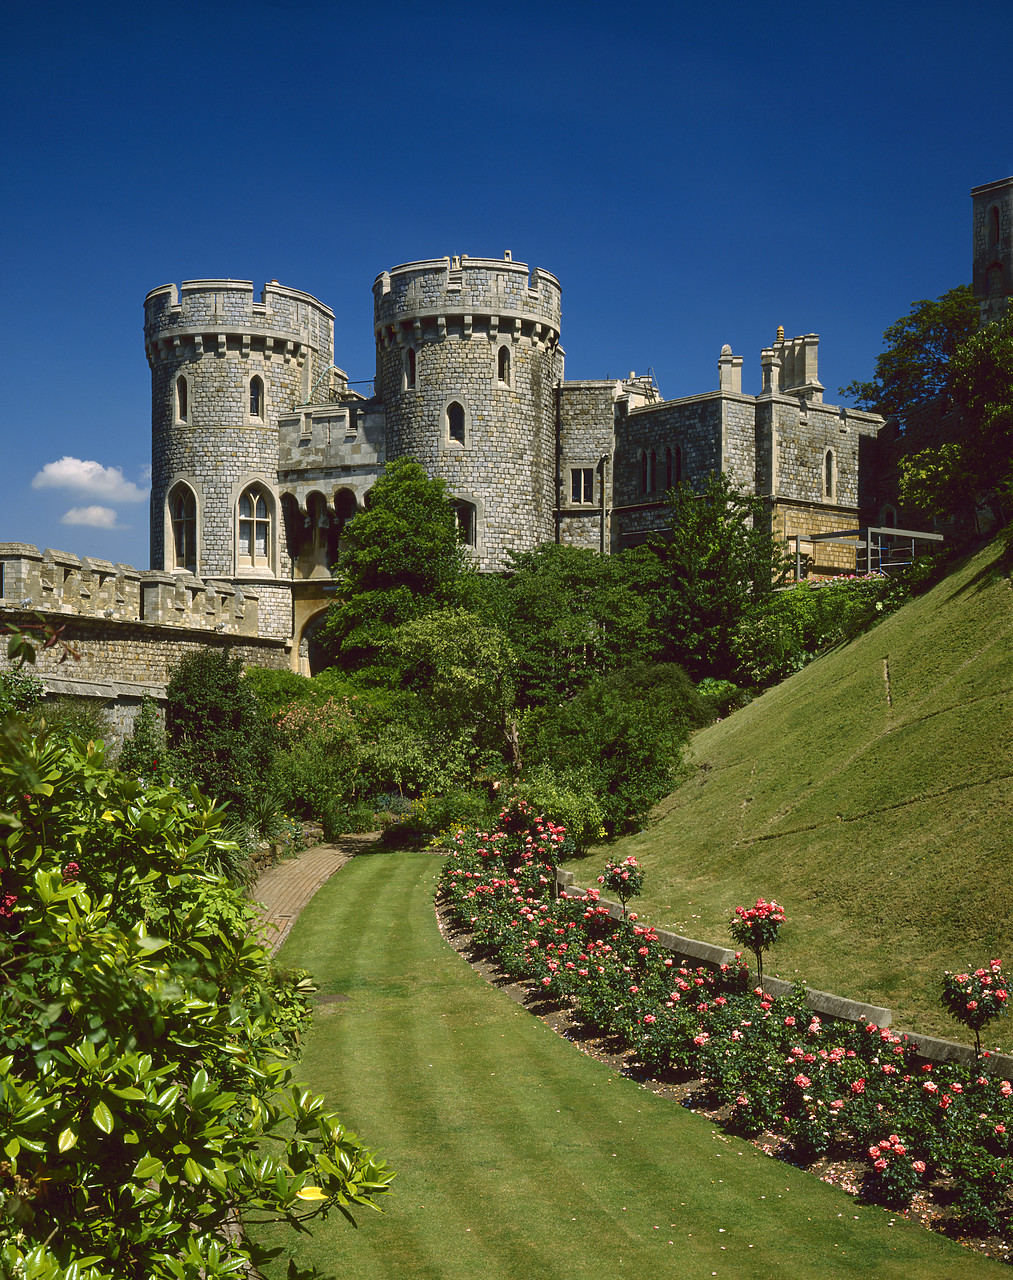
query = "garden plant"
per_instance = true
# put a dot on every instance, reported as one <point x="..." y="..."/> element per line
<point x="854" y="1091"/>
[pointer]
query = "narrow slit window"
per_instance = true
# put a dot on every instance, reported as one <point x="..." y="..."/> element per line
<point x="678" y="465"/>
<point x="256" y="397"/>
<point x="644" y="472"/>
<point x="828" y="474"/>
<point x="993" y="227"/>
<point x="503" y="367"/>
<point x="455" y="421"/>
<point x="182" y="399"/>
<point x="669" y="467"/>
<point x="652" y="477"/>
<point x="410" y="369"/>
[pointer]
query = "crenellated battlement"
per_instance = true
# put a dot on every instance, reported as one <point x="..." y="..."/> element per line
<point x="56" y="582"/>
<point x="496" y="295"/>
<point x="221" y="316"/>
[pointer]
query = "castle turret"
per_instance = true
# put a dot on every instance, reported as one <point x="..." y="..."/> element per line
<point x="467" y="360"/>
<point x="223" y="367"/>
<point x="992" y="253"/>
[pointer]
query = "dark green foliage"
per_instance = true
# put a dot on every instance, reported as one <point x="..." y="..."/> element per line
<point x="218" y="736"/>
<point x="85" y="718"/>
<point x="143" y="753"/>
<point x="571" y="616"/>
<point x="275" y="690"/>
<point x="719" y="560"/>
<point x="403" y="557"/>
<point x="721" y="697"/>
<point x="622" y="737"/>
<point x="21" y="693"/>
<point x="983" y="390"/>
<point x="915" y="366"/>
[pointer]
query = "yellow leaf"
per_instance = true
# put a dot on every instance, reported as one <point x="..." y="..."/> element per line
<point x="311" y="1193"/>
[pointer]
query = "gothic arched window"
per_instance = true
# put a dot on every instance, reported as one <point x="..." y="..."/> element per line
<point x="183" y="519"/>
<point x="253" y="537"/>
<point x="828" y="475"/>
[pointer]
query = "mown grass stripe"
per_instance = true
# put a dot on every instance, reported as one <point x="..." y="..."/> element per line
<point x="554" y="1166"/>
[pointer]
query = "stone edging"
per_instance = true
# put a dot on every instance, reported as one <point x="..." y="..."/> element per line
<point x="822" y="1002"/>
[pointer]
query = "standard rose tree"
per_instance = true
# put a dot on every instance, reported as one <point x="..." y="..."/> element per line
<point x="757" y="928"/>
<point x="976" y="998"/>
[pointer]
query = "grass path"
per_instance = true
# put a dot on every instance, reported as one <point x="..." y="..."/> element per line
<point x="518" y="1156"/>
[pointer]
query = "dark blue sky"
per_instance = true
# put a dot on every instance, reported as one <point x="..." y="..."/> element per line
<point x="693" y="175"/>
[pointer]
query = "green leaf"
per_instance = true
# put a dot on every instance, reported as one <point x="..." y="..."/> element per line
<point x="67" y="1139"/>
<point x="103" y="1117"/>
<point x="12" y="1148"/>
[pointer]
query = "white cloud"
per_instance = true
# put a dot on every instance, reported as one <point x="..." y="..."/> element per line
<point x="94" y="517"/>
<point x="89" y="478"/>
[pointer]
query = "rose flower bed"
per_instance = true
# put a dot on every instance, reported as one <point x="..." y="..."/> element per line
<point x="850" y="1091"/>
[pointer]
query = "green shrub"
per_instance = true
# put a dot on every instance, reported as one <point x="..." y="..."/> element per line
<point x="721" y="697"/>
<point x="623" y="734"/>
<point x="338" y="820"/>
<point x="568" y="800"/>
<point x="143" y="753"/>
<point x="219" y="737"/>
<point x="21" y="693"/>
<point x="275" y="690"/>
<point x="85" y="718"/>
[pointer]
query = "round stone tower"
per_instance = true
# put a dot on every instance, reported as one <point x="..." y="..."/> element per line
<point x="467" y="358"/>
<point x="223" y="367"/>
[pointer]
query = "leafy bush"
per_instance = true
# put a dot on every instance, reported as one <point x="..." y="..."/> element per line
<point x="721" y="697"/>
<point x="21" y="693"/>
<point x="146" y="1087"/>
<point x="84" y="718"/>
<point x="338" y="820"/>
<point x="624" y="734"/>
<point x="976" y="998"/>
<point x="218" y="736"/>
<point x="568" y="799"/>
<point x="143" y="753"/>
<point x="276" y="690"/>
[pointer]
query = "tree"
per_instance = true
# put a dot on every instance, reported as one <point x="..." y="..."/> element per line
<point x="217" y="734"/>
<point x="146" y="1089"/>
<point x="915" y="366"/>
<point x="571" y="617"/>
<point x="720" y="558"/>
<point x="403" y="557"/>
<point x="953" y="480"/>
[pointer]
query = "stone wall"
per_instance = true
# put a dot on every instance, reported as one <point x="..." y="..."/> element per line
<point x="127" y="628"/>
<point x="587" y="417"/>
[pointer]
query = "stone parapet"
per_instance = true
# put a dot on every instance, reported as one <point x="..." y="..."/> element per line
<point x="56" y="582"/>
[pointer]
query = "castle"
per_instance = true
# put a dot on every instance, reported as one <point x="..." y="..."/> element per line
<point x="262" y="452"/>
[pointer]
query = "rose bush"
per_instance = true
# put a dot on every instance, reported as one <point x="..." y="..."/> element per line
<point x="830" y="1088"/>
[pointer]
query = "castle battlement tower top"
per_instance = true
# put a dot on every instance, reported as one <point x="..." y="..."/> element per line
<point x="461" y="285"/>
<point x="992" y="249"/>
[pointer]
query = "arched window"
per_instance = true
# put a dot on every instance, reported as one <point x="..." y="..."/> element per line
<point x="678" y="465"/>
<point x="455" y="421"/>
<point x="253" y="541"/>
<point x="993" y="226"/>
<point x="182" y="399"/>
<point x="828" y="475"/>
<point x="652" y="476"/>
<point x="503" y="367"/>
<point x="183" y="518"/>
<point x="410" y="369"/>
<point x="256" y="397"/>
<point x="669" y="467"/>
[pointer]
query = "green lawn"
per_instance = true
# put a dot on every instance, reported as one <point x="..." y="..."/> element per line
<point x="517" y="1155"/>
<point x="882" y="826"/>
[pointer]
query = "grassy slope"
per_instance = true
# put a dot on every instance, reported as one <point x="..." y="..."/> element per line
<point x="518" y="1156"/>
<point x="885" y="831"/>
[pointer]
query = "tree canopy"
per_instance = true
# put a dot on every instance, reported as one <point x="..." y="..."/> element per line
<point x="915" y="365"/>
<point x="403" y="557"/>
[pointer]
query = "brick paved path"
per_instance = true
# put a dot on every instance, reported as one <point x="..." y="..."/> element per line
<point x="285" y="889"/>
